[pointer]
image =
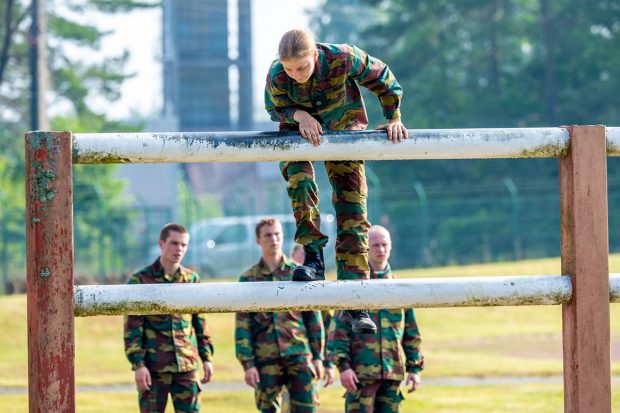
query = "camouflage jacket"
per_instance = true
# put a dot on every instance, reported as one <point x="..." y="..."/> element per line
<point x="332" y="95"/>
<point x="166" y="343"/>
<point x="387" y="354"/>
<point x="262" y="336"/>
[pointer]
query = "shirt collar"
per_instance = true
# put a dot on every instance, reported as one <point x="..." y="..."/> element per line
<point x="181" y="275"/>
<point x="387" y="273"/>
<point x="321" y="67"/>
<point x="284" y="268"/>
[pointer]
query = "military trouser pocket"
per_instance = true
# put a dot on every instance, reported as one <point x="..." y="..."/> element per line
<point x="352" y="396"/>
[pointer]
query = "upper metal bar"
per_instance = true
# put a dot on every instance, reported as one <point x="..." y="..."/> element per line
<point x="613" y="141"/>
<point x="90" y="148"/>
<point x="614" y="288"/>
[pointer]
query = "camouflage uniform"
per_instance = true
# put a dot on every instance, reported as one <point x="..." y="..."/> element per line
<point x="281" y="345"/>
<point x="327" y="316"/>
<point x="379" y="360"/>
<point x="171" y="346"/>
<point x="332" y="97"/>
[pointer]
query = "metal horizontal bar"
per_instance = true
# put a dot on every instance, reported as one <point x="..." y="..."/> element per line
<point x="614" y="287"/>
<point x="90" y="148"/>
<point x="613" y="141"/>
<point x="280" y="296"/>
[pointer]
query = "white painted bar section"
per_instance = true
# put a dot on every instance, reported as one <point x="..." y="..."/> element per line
<point x="358" y="145"/>
<point x="613" y="141"/>
<point x="282" y="296"/>
<point x="614" y="287"/>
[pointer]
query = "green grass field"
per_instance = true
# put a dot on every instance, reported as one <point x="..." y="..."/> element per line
<point x="464" y="342"/>
<point x="539" y="398"/>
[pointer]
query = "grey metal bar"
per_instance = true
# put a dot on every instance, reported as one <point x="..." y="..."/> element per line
<point x="614" y="287"/>
<point x="613" y="141"/>
<point x="282" y="296"/>
<point x="359" y="145"/>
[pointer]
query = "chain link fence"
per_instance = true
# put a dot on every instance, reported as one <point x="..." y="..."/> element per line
<point x="470" y="225"/>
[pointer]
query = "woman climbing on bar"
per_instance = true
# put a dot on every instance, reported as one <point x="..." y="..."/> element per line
<point x="311" y="88"/>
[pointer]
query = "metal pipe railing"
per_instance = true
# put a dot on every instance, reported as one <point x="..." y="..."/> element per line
<point x="613" y="141"/>
<point x="90" y="148"/>
<point x="282" y="296"/>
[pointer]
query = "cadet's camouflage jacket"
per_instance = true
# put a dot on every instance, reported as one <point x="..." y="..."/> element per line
<point x="262" y="336"/>
<point x="387" y="354"/>
<point x="166" y="343"/>
<point x="332" y="94"/>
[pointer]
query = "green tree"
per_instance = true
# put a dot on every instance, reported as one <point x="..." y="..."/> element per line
<point x="485" y="63"/>
<point x="73" y="83"/>
<point x="73" y="80"/>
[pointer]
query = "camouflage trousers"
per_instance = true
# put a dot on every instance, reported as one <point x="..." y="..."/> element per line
<point x="374" y="396"/>
<point x="184" y="389"/>
<point x="348" y="181"/>
<point x="295" y="373"/>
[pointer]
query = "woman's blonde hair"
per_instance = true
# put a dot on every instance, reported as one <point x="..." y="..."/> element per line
<point x="296" y="43"/>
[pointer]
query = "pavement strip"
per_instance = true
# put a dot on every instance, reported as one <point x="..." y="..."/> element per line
<point x="427" y="381"/>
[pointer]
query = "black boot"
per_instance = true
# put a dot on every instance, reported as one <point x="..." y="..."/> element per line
<point x="359" y="320"/>
<point x="313" y="268"/>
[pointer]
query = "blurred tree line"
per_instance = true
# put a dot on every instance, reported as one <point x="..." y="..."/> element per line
<point x="462" y="64"/>
<point x="477" y="64"/>
<point x="77" y="75"/>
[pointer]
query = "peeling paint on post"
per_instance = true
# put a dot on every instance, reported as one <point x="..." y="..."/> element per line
<point x="49" y="268"/>
<point x="584" y="249"/>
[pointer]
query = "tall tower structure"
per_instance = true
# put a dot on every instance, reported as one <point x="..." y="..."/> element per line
<point x="208" y="64"/>
<point x="207" y="61"/>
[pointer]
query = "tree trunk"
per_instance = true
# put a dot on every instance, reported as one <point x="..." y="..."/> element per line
<point x="549" y="40"/>
<point x="6" y="42"/>
<point x="495" y="16"/>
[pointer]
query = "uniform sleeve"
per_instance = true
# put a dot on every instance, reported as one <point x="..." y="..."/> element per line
<point x="338" y="344"/>
<point x="327" y="319"/>
<point x="133" y="335"/>
<point x="316" y="333"/>
<point x="377" y="77"/>
<point x="203" y="337"/>
<point x="244" y="343"/>
<point x="412" y="343"/>
<point x="277" y="101"/>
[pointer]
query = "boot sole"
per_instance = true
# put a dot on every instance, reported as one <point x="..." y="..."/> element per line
<point x="307" y="276"/>
<point x="364" y="331"/>
<point x="347" y="319"/>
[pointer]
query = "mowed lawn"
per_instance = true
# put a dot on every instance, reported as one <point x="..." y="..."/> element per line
<point x="539" y="398"/>
<point x="463" y="342"/>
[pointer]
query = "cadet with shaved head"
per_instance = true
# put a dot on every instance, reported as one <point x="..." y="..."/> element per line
<point x="372" y="366"/>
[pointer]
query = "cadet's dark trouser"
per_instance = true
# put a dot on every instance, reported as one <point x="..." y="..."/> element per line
<point x="348" y="180"/>
<point x="183" y="387"/>
<point x="374" y="396"/>
<point x="297" y="374"/>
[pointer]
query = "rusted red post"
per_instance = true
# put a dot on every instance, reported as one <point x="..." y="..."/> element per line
<point x="49" y="254"/>
<point x="584" y="248"/>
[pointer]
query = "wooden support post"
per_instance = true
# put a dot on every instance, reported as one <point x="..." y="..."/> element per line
<point x="584" y="249"/>
<point x="49" y="254"/>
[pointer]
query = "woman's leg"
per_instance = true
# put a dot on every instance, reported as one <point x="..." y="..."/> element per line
<point x="348" y="180"/>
